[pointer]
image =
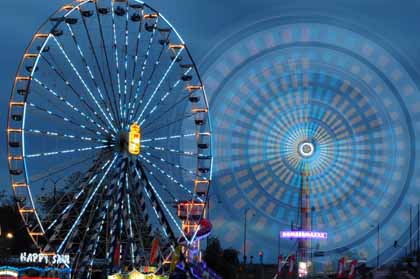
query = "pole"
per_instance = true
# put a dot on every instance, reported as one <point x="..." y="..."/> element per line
<point x="312" y="228"/>
<point x="245" y="215"/>
<point x="377" y="250"/>
<point x="411" y="230"/>
<point x="418" y="228"/>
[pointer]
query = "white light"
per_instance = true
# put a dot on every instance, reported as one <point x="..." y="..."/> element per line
<point x="10" y="273"/>
<point x="303" y="269"/>
<point x="306" y="149"/>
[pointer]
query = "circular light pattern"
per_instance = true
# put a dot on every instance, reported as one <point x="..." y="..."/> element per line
<point x="306" y="149"/>
<point x="298" y="93"/>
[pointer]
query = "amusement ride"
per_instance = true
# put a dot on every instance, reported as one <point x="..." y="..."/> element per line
<point x="107" y="101"/>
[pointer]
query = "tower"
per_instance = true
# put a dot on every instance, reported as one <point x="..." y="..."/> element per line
<point x="304" y="208"/>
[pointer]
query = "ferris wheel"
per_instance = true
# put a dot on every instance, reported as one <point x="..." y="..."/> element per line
<point x="107" y="103"/>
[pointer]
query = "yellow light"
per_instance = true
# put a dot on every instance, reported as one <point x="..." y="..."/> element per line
<point x="136" y="275"/>
<point x="134" y="139"/>
<point x="9" y="235"/>
<point x="115" y="276"/>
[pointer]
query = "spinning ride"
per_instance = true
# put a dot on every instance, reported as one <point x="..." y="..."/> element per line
<point x="312" y="90"/>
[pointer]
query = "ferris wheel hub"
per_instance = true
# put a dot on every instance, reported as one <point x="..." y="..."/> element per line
<point x="306" y="149"/>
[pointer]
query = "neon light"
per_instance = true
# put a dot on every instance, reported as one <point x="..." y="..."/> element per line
<point x="303" y="234"/>
<point x="10" y="273"/>
<point x="44" y="258"/>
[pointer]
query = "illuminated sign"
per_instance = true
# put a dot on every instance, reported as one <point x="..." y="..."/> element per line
<point x="303" y="234"/>
<point x="44" y="258"/>
<point x="9" y="273"/>
<point x="134" y="139"/>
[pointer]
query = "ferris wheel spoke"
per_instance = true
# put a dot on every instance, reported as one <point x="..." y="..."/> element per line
<point x="141" y="224"/>
<point x="73" y="90"/>
<point x="92" y="247"/>
<point x="101" y="71"/>
<point x="163" y="78"/>
<point x="158" y="204"/>
<point x="161" y="149"/>
<point x="87" y="203"/>
<point x="70" y="105"/>
<point x="58" y="223"/>
<point x="115" y="230"/>
<point x="126" y="61"/>
<point x="173" y="137"/>
<point x="62" y="135"/>
<point x="136" y="58"/>
<point x="148" y="82"/>
<point x="117" y="64"/>
<point x="128" y="216"/>
<point x="67" y="151"/>
<point x="162" y="185"/>
<point x="108" y="64"/>
<point x="57" y="169"/>
<point x="171" y="178"/>
<point x="63" y="118"/>
<point x="160" y="160"/>
<point x="84" y="83"/>
<point x="165" y="97"/>
<point x="143" y="68"/>
<point x="92" y="77"/>
<point x="181" y="101"/>
<point x="184" y="117"/>
<point x="90" y="176"/>
<point x="85" y="229"/>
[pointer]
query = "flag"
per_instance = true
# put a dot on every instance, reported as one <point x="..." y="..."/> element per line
<point x="116" y="256"/>
<point x="154" y="250"/>
<point x="291" y="261"/>
<point x="352" y="271"/>
<point x="340" y="271"/>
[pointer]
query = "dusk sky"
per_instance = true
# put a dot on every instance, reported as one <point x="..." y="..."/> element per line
<point x="203" y="24"/>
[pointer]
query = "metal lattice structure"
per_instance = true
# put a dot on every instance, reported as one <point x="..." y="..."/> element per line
<point x="90" y="71"/>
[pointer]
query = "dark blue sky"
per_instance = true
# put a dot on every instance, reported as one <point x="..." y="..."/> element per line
<point x="204" y="23"/>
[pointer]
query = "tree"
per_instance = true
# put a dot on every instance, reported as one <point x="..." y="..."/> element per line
<point x="213" y="254"/>
<point x="13" y="236"/>
<point x="224" y="262"/>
